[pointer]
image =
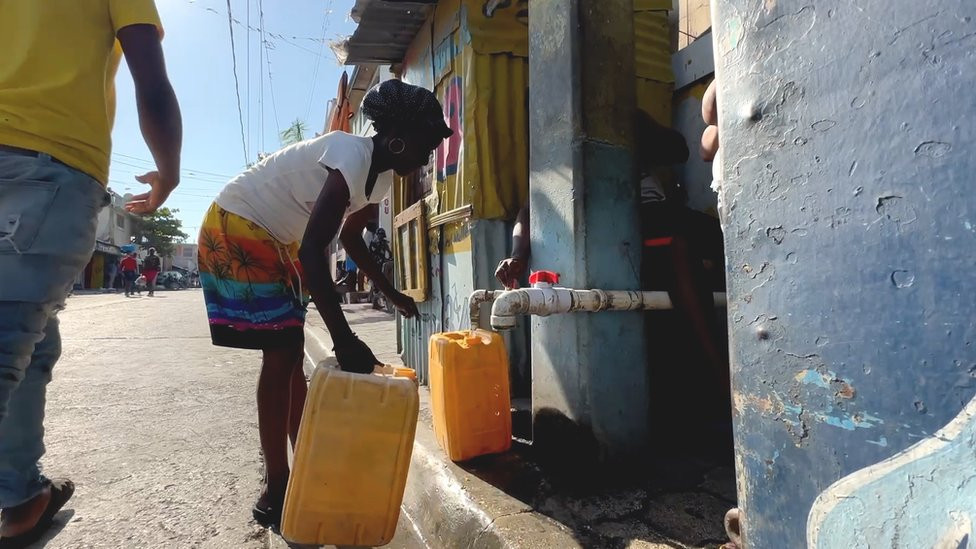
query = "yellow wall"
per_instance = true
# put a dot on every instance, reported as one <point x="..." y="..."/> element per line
<point x="694" y="18"/>
<point x="478" y="67"/>
<point x="652" y="63"/>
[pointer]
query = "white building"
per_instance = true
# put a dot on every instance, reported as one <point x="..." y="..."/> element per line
<point x="115" y="227"/>
<point x="184" y="258"/>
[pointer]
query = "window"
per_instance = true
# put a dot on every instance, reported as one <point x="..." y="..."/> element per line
<point x="120" y="220"/>
<point x="410" y="255"/>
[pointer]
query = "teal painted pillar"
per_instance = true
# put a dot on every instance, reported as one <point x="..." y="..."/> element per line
<point x="590" y="382"/>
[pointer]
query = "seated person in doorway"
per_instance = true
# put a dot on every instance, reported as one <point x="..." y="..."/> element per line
<point x="680" y="244"/>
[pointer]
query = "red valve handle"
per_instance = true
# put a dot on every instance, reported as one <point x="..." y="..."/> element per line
<point x="547" y="277"/>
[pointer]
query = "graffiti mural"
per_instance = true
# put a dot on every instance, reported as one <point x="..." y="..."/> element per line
<point x="449" y="151"/>
<point x="925" y="496"/>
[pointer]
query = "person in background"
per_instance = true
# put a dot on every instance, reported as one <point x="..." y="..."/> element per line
<point x="263" y="247"/>
<point x="57" y="105"/>
<point x="683" y="248"/>
<point x="130" y="272"/>
<point x="369" y="233"/>
<point x="150" y="269"/>
<point x="111" y="274"/>
<point x="710" y="152"/>
<point x="709" y="142"/>
<point x="679" y="243"/>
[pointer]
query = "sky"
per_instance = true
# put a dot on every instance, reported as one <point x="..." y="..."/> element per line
<point x="304" y="76"/>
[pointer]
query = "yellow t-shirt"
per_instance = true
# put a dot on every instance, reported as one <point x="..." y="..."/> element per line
<point x="58" y="60"/>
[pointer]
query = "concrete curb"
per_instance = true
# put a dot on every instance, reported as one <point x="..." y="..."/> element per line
<point x="449" y="507"/>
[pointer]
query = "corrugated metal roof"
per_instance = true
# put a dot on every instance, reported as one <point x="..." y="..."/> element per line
<point x="386" y="29"/>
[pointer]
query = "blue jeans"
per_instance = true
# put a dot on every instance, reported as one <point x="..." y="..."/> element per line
<point x="48" y="220"/>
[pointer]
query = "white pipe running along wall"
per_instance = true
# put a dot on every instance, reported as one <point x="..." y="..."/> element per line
<point x="543" y="300"/>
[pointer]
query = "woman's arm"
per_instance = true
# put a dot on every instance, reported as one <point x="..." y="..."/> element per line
<point x="352" y="241"/>
<point x="323" y="225"/>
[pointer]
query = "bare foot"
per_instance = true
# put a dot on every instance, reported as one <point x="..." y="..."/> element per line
<point x="17" y="520"/>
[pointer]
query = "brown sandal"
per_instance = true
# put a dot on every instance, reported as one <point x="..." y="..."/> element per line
<point x="61" y="492"/>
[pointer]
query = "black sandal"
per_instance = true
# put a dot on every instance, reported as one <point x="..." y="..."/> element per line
<point x="61" y="492"/>
<point x="268" y="516"/>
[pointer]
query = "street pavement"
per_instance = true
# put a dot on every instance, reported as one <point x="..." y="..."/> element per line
<point x="157" y="427"/>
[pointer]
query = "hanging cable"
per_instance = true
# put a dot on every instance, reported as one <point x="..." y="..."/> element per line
<point x="261" y="72"/>
<point x="151" y="164"/>
<point x="237" y="84"/>
<point x="267" y="58"/>
<point x="315" y="73"/>
<point x="247" y="75"/>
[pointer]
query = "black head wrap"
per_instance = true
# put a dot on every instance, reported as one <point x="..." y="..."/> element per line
<point x="397" y="104"/>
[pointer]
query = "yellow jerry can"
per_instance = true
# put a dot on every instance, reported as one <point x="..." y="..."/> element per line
<point x="351" y="458"/>
<point x="470" y="394"/>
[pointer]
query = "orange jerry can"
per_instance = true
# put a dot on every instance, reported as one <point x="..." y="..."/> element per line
<point x="351" y="458"/>
<point x="469" y="393"/>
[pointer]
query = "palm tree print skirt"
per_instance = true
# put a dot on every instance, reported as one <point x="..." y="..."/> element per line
<point x="252" y="284"/>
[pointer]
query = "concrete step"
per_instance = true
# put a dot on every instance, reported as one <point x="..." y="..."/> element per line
<point x="406" y="537"/>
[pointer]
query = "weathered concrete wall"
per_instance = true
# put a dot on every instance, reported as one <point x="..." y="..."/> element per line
<point x="849" y="156"/>
<point x="587" y="369"/>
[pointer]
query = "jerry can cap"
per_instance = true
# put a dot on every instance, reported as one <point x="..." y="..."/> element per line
<point x="545" y="277"/>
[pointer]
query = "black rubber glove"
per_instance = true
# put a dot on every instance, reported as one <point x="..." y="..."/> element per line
<point x="356" y="357"/>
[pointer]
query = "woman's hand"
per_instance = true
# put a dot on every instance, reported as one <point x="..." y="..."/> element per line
<point x="405" y="304"/>
<point x="355" y="356"/>
<point x="509" y="272"/>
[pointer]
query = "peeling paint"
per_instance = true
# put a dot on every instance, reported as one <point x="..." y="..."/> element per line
<point x="882" y="442"/>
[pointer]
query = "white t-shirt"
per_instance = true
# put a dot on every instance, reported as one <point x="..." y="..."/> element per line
<point x="651" y="190"/>
<point x="368" y="237"/>
<point x="279" y="192"/>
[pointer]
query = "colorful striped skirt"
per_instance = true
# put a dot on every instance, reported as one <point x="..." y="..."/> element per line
<point x="252" y="284"/>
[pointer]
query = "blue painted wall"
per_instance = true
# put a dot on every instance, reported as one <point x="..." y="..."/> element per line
<point x="850" y="225"/>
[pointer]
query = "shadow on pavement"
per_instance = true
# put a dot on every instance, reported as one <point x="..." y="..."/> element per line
<point x="60" y="521"/>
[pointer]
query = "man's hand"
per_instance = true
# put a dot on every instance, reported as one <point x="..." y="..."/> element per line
<point x="405" y="304"/>
<point x="355" y="356"/>
<point x="159" y="113"/>
<point x="147" y="203"/>
<point x="510" y="271"/>
<point x="709" y="140"/>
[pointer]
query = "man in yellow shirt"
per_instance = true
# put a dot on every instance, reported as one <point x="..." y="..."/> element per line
<point x="57" y="105"/>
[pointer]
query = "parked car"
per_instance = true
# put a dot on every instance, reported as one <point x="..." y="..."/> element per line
<point x="172" y="280"/>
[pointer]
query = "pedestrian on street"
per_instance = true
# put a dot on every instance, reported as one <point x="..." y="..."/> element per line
<point x="113" y="273"/>
<point x="57" y="103"/>
<point x="290" y="207"/>
<point x="130" y="272"/>
<point x="150" y="270"/>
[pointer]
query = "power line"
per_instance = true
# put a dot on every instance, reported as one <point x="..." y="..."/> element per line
<point x="247" y="92"/>
<point x="274" y="102"/>
<point x="150" y="165"/>
<point x="275" y="35"/>
<point x="261" y="68"/>
<point x="315" y="73"/>
<point x="237" y="84"/>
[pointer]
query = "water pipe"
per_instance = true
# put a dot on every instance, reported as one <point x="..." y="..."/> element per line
<point x="477" y="299"/>
<point x="542" y="299"/>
